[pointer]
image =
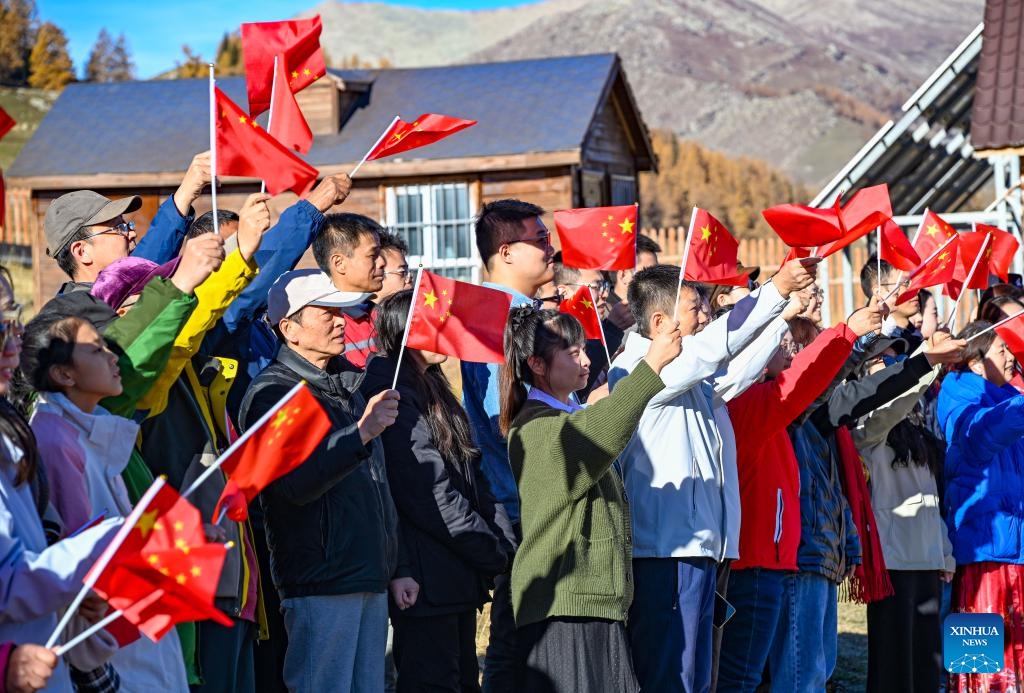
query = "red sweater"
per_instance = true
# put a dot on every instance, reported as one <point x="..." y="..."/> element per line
<point x="359" y="334"/>
<point x="769" y="476"/>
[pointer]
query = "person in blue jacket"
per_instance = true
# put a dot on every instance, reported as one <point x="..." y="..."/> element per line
<point x="982" y="416"/>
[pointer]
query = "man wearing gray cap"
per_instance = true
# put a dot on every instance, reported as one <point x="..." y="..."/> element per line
<point x="86" y="231"/>
<point x="331" y="524"/>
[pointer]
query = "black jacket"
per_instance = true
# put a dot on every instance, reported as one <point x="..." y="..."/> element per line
<point x="449" y="529"/>
<point x="331" y="526"/>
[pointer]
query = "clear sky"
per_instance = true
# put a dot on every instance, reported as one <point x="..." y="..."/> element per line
<point x="156" y="30"/>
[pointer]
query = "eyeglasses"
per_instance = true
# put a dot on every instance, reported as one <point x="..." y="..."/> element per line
<point x="10" y="323"/>
<point x="598" y="287"/>
<point x="892" y="285"/>
<point x="543" y="241"/>
<point x="538" y="303"/>
<point x="404" y="274"/>
<point x="124" y="229"/>
<point x="790" y="347"/>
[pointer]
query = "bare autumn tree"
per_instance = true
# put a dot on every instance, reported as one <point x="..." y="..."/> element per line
<point x="193" y="65"/>
<point x="17" y="36"/>
<point x="50" y="66"/>
<point x="120" y="66"/>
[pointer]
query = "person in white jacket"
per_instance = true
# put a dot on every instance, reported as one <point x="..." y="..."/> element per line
<point x="674" y="471"/>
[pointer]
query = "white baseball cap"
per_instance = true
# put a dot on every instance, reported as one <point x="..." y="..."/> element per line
<point x="307" y="287"/>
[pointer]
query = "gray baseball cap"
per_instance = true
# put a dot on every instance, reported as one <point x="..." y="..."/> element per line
<point x="78" y="209"/>
<point x="306" y="287"/>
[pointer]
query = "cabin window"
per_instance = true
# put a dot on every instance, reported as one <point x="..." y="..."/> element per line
<point x="437" y="223"/>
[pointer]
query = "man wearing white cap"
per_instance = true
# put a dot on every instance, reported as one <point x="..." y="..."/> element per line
<point x="331" y="525"/>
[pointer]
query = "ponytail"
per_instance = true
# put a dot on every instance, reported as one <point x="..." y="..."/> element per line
<point x="530" y="332"/>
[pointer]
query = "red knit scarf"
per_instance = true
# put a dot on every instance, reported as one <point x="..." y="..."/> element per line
<point x="870" y="581"/>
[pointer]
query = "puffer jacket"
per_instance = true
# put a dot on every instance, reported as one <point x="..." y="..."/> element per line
<point x="331" y="525"/>
<point x="829" y="544"/>
<point x="984" y="426"/>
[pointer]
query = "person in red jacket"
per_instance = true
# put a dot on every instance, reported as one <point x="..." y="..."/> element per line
<point x="770" y="491"/>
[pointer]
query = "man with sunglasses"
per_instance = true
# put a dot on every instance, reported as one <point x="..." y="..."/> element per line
<point x="515" y="247"/>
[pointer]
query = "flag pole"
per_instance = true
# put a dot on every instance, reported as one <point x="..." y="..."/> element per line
<point x="917" y="270"/>
<point x="604" y="342"/>
<point x="913" y="244"/>
<point x="993" y="326"/>
<point x="878" y="254"/>
<point x="108" y="554"/>
<point x="370" y="150"/>
<point x="213" y="148"/>
<point x="270" y="115"/>
<point x="241" y="439"/>
<point x="951" y="320"/>
<point x="88" y="632"/>
<point x="408" y="324"/>
<point x="686" y="256"/>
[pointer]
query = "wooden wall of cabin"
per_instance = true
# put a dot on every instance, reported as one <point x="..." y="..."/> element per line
<point x="607" y="174"/>
<point x="550" y="188"/>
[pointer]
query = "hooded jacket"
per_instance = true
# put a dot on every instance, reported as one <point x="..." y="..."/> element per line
<point x="984" y="427"/>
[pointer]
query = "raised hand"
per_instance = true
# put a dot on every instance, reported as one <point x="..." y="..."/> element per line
<point x="332" y="191"/>
<point x="793" y="276"/>
<point x="200" y="258"/>
<point x="197" y="177"/>
<point x="253" y="222"/>
<point x="664" y="347"/>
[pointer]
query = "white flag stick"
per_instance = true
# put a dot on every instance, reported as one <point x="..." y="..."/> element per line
<point x="88" y="632"/>
<point x="270" y="115"/>
<point x="408" y="324"/>
<point x="108" y="554"/>
<point x="370" y="150"/>
<point x="241" y="439"/>
<point x="604" y="342"/>
<point x="993" y="326"/>
<point x="951" y="320"/>
<point x="213" y="148"/>
<point x="686" y="256"/>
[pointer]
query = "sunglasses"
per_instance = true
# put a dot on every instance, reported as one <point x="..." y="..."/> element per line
<point x="124" y="229"/>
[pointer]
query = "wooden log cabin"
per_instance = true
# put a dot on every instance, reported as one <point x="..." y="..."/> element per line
<point x="559" y="132"/>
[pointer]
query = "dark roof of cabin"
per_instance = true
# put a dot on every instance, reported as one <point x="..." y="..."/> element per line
<point x="542" y="105"/>
<point x="997" y="118"/>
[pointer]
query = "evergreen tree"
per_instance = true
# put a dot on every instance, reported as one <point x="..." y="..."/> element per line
<point x="50" y="65"/>
<point x="229" y="55"/>
<point x="97" y="68"/>
<point x="17" y="37"/>
<point x="120" y="67"/>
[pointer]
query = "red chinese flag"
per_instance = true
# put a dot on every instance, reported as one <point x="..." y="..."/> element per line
<point x="1012" y="332"/>
<point x="288" y="126"/>
<point x="714" y="253"/>
<point x="283" y="439"/>
<point x="803" y="226"/>
<point x="939" y="269"/>
<point x="582" y="307"/>
<point x="896" y="248"/>
<point x="7" y="123"/>
<point x="245" y="149"/>
<point x="159" y="569"/>
<point x="600" y="238"/>
<point x="971" y="246"/>
<point x="1001" y="250"/>
<point x="796" y="253"/>
<point x="934" y="232"/>
<point x="459" y="319"/>
<point x="427" y="129"/>
<point x="298" y="40"/>
<point x="867" y="209"/>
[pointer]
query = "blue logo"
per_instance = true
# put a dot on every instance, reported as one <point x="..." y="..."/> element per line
<point x="973" y="643"/>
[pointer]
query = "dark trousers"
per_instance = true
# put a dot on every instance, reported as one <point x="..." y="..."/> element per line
<point x="670" y="623"/>
<point x="574" y="655"/>
<point x="500" y="659"/>
<point x="758" y="596"/>
<point x="722" y="587"/>
<point x="269" y="654"/>
<point x="904" y="635"/>
<point x="436" y="653"/>
<point x="225" y="657"/>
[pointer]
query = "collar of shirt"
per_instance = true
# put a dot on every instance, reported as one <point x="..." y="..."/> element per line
<point x="518" y="299"/>
<point x="541" y="396"/>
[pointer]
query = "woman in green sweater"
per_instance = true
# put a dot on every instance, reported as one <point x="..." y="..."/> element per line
<point x="571" y="578"/>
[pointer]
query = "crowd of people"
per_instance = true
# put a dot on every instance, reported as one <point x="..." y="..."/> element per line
<point x="679" y="508"/>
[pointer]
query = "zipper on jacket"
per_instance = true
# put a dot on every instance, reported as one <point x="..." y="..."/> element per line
<point x="780" y="506"/>
<point x="694" y="469"/>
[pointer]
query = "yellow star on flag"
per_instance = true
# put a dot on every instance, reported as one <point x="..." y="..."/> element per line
<point x="182" y="545"/>
<point x="181" y="579"/>
<point x="626" y="226"/>
<point x="146" y="522"/>
<point x="705" y="233"/>
<point x="279" y="419"/>
<point x="429" y="299"/>
<point x="944" y="256"/>
<point x="179" y="526"/>
<point x="196" y="572"/>
<point x="932" y="230"/>
<point x="306" y="72"/>
<point x="587" y="304"/>
<point x="242" y="119"/>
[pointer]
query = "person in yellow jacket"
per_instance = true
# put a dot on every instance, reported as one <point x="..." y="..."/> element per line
<point x="184" y="429"/>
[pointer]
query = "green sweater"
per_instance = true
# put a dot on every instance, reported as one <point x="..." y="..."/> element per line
<point x="575" y="559"/>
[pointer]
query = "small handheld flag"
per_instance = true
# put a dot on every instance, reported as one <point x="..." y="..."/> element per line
<point x="601" y="238"/>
